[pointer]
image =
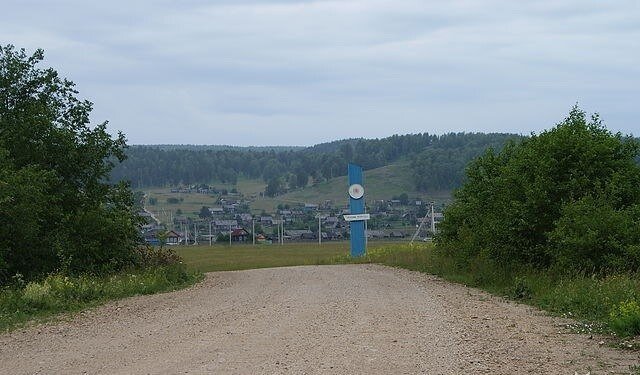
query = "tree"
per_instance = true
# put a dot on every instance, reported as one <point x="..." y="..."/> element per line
<point x="274" y="187"/>
<point x="78" y="221"/>
<point x="204" y="212"/>
<point x="530" y="202"/>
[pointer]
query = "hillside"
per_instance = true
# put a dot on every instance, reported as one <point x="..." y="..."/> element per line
<point x="440" y="158"/>
<point x="380" y="183"/>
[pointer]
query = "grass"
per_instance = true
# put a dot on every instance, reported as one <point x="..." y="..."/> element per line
<point x="380" y="183"/>
<point x="41" y="301"/>
<point x="608" y="303"/>
<point x="242" y="257"/>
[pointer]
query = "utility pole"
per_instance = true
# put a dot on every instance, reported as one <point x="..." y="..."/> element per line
<point x="253" y="230"/>
<point x="279" y="235"/>
<point x="229" y="234"/>
<point x="210" y="240"/>
<point x="195" y="233"/>
<point x="433" y="220"/>
<point x="319" y="230"/>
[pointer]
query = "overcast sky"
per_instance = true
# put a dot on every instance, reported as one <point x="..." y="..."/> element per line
<point x="283" y="72"/>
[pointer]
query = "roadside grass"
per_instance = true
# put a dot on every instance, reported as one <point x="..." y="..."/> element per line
<point x="41" y="301"/>
<point x="241" y="257"/>
<point x="602" y="304"/>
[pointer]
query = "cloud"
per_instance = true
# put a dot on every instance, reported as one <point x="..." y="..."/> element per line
<point x="302" y="72"/>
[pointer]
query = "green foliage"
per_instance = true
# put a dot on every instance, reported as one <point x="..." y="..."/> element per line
<point x="437" y="161"/>
<point x="59" y="293"/>
<point x="534" y="202"/>
<point x="204" y="212"/>
<point x="57" y="213"/>
<point x="625" y="318"/>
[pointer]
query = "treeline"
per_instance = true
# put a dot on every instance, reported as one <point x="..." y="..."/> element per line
<point x="438" y="161"/>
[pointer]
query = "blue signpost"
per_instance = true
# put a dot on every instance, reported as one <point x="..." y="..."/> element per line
<point x="357" y="215"/>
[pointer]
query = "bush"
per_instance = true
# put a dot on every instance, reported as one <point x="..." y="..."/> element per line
<point x="625" y="319"/>
<point x="568" y="198"/>
<point x="149" y="256"/>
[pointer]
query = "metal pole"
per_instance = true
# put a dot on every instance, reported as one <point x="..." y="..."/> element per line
<point x="229" y="234"/>
<point x="319" y="231"/>
<point x="253" y="230"/>
<point x="210" y="240"/>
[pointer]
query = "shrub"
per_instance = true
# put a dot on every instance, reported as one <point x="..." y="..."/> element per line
<point x="37" y="295"/>
<point x="568" y="195"/>
<point x="624" y="319"/>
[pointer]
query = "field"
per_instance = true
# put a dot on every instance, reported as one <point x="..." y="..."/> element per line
<point x="242" y="257"/>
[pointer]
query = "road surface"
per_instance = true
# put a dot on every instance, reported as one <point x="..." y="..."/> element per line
<point x="346" y="319"/>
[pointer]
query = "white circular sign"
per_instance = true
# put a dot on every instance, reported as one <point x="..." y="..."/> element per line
<point x="356" y="191"/>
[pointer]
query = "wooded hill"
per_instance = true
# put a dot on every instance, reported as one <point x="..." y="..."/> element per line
<point x="437" y="161"/>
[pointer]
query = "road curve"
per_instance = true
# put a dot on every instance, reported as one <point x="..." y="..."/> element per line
<point x="346" y="319"/>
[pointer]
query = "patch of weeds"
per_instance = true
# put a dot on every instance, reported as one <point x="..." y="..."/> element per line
<point x="624" y="319"/>
<point x="521" y="288"/>
<point x="58" y="293"/>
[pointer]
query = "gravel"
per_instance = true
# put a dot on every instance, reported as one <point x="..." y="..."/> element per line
<point x="355" y="319"/>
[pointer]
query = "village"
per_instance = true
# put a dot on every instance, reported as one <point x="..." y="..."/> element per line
<point x="231" y="219"/>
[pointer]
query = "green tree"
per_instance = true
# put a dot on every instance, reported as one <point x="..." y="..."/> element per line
<point x="523" y="204"/>
<point x="77" y="222"/>
<point x="204" y="212"/>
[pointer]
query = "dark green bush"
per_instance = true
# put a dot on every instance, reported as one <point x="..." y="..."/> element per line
<point x="566" y="198"/>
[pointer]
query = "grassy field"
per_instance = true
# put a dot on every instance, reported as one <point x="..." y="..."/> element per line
<point x="241" y="257"/>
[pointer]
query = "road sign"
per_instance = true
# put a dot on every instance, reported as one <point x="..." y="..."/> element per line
<point x="356" y="191"/>
<point x="357" y="217"/>
<point x="356" y="207"/>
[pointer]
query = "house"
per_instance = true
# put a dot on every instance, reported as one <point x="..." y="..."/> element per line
<point x="216" y="210"/>
<point x="245" y="218"/>
<point x="224" y="225"/>
<point x="153" y="237"/>
<point x="310" y="207"/>
<point x="331" y="221"/>
<point x="239" y="235"/>
<point x="303" y="234"/>
<point x="375" y="233"/>
<point x="173" y="238"/>
<point x="266" y="221"/>
<point x="261" y="239"/>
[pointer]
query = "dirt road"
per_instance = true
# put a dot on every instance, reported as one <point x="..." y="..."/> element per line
<point x="351" y="319"/>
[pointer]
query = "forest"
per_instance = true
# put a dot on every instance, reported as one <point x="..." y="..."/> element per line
<point x="438" y="161"/>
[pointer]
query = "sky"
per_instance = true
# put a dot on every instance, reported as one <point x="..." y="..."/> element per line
<point x="251" y="72"/>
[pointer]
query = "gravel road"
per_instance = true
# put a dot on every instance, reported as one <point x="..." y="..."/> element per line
<point x="347" y="319"/>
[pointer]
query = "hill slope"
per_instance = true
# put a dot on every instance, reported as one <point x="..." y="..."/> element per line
<point x="380" y="183"/>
